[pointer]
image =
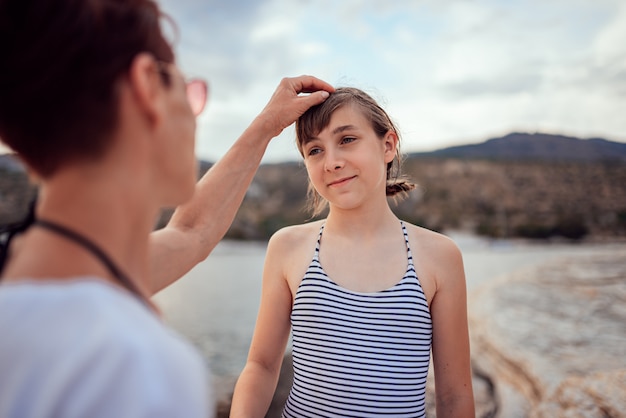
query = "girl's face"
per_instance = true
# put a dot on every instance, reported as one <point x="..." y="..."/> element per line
<point x="347" y="162"/>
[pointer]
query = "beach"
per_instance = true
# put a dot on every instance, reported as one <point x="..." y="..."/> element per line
<point x="215" y="304"/>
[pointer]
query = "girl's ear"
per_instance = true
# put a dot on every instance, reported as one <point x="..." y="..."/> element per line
<point x="390" y="141"/>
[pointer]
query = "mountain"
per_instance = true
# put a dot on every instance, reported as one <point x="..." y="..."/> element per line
<point x="529" y="185"/>
<point x="538" y="147"/>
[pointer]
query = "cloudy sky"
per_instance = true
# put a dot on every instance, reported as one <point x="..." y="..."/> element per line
<point x="448" y="71"/>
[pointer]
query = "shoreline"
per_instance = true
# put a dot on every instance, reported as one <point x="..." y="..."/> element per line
<point x="506" y="377"/>
<point x="215" y="305"/>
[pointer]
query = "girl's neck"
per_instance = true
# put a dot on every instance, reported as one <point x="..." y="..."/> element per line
<point x="360" y="223"/>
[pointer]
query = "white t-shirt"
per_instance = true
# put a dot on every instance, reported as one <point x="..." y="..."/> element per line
<point x="85" y="348"/>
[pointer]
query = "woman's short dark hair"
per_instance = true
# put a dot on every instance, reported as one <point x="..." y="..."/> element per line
<point x="61" y="62"/>
<point x="314" y="120"/>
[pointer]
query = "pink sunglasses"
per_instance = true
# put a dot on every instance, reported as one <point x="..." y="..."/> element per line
<point x="197" y="89"/>
<point x="197" y="92"/>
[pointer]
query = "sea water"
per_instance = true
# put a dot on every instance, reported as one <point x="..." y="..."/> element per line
<point x="215" y="304"/>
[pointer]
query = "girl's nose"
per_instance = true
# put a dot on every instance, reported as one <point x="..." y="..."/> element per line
<point x="333" y="161"/>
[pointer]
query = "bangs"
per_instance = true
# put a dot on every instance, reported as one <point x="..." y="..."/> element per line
<point x="313" y="121"/>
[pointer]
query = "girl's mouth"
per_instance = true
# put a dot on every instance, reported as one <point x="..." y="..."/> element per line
<point x="340" y="182"/>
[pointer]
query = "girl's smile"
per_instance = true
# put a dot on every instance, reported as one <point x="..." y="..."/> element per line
<point x="346" y="161"/>
<point x="341" y="182"/>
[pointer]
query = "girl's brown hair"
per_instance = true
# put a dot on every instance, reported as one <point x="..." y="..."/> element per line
<point x="61" y="62"/>
<point x="314" y="120"/>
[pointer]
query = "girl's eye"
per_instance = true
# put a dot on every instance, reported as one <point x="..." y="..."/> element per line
<point x="347" y="139"/>
<point x="314" y="151"/>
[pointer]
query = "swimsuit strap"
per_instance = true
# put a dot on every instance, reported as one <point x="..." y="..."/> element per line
<point x="405" y="232"/>
<point x="406" y="240"/>
<point x="316" y="255"/>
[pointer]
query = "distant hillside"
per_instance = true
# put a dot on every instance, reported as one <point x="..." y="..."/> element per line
<point x="538" y="186"/>
<point x="536" y="147"/>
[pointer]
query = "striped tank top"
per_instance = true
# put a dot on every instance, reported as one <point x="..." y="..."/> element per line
<point x="359" y="354"/>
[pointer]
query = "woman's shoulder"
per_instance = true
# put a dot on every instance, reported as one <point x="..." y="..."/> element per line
<point x="80" y="308"/>
<point x="115" y="334"/>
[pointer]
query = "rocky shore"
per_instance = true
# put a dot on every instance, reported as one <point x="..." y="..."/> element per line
<point x="551" y="340"/>
<point x="547" y="342"/>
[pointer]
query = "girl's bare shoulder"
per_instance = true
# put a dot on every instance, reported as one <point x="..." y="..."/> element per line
<point x="434" y="244"/>
<point x="291" y="249"/>
<point x="295" y="243"/>
<point x="296" y="235"/>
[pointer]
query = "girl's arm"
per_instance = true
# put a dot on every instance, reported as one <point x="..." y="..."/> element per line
<point x="198" y="225"/>
<point x="257" y="382"/>
<point x="451" y="348"/>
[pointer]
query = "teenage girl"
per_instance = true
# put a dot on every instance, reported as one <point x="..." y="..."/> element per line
<point x="366" y="295"/>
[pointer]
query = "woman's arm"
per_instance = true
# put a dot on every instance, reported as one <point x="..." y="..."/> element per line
<point x="257" y="382"/>
<point x="451" y="348"/>
<point x="198" y="225"/>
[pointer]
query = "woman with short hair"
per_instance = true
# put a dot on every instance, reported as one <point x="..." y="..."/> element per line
<point x="92" y="101"/>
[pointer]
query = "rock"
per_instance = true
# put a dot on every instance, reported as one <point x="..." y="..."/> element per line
<point x="552" y="340"/>
<point x="597" y="396"/>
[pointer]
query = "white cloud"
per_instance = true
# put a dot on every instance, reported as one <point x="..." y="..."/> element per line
<point x="448" y="71"/>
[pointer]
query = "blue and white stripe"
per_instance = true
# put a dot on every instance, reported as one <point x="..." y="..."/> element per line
<point x="359" y="354"/>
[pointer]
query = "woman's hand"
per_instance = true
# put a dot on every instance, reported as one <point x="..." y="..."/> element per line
<point x="288" y="102"/>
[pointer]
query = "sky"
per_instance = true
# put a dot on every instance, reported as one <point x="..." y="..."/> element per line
<point x="449" y="72"/>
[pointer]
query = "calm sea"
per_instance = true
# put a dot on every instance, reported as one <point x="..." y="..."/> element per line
<point x="215" y="304"/>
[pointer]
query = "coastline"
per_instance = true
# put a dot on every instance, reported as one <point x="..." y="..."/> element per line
<point x="550" y="339"/>
<point x="215" y="305"/>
